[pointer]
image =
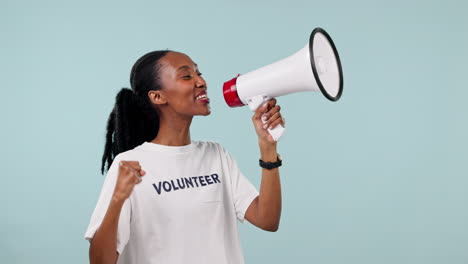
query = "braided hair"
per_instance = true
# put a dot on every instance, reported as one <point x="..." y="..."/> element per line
<point x="133" y="119"/>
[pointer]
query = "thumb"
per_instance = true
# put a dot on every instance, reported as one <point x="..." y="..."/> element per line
<point x="260" y="111"/>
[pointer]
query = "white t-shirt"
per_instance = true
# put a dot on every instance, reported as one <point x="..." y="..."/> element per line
<point x="185" y="210"/>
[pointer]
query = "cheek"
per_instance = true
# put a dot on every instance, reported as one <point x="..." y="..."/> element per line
<point x="182" y="98"/>
<point x="177" y="90"/>
<point x="186" y="96"/>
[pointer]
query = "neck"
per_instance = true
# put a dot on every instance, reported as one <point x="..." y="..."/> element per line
<point x="173" y="131"/>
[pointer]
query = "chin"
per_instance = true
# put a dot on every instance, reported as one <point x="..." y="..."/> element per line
<point x="204" y="113"/>
<point x="207" y="111"/>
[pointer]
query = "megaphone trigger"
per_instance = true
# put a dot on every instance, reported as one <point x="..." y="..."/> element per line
<point x="256" y="101"/>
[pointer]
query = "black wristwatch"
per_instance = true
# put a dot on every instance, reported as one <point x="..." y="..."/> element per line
<point x="271" y="165"/>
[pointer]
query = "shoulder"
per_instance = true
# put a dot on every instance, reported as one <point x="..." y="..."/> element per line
<point x="211" y="146"/>
<point x="215" y="148"/>
<point x="130" y="154"/>
<point x="207" y="144"/>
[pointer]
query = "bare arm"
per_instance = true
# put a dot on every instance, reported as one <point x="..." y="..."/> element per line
<point x="103" y="248"/>
<point x="265" y="210"/>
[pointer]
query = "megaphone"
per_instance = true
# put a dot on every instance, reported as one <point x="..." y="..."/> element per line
<point x="315" y="67"/>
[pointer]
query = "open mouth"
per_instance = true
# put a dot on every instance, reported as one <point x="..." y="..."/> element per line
<point x="202" y="97"/>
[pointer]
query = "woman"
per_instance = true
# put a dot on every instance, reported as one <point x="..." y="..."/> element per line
<point x="166" y="198"/>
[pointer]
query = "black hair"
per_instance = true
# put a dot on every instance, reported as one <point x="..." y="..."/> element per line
<point x="133" y="119"/>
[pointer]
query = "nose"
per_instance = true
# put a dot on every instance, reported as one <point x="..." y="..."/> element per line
<point x="200" y="82"/>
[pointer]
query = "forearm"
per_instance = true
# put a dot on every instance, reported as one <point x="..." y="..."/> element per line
<point x="103" y="248"/>
<point x="269" y="203"/>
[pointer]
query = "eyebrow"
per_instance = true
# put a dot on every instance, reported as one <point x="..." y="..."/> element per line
<point x="186" y="67"/>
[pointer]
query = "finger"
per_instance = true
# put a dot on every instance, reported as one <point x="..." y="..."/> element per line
<point x="139" y="170"/>
<point x="272" y="111"/>
<point x="136" y="177"/>
<point x="272" y="117"/>
<point x="123" y="166"/>
<point x="134" y="164"/>
<point x="138" y="180"/>
<point x="271" y="102"/>
<point x="269" y="105"/>
<point x="275" y="123"/>
<point x="130" y="164"/>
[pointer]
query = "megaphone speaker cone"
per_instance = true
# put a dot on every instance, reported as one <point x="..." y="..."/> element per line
<point x="326" y="64"/>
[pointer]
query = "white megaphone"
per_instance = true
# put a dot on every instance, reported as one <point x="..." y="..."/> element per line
<point x="316" y="67"/>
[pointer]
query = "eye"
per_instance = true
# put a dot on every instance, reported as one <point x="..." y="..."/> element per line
<point x="199" y="73"/>
<point x="187" y="77"/>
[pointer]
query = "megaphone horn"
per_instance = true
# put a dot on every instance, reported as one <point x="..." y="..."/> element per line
<point x="315" y="67"/>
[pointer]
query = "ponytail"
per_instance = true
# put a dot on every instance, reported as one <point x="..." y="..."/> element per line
<point x="133" y="119"/>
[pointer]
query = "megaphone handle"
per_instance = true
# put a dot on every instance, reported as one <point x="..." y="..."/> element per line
<point x="261" y="100"/>
<point x="276" y="132"/>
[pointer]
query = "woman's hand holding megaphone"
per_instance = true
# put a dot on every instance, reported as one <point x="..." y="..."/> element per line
<point x="267" y="117"/>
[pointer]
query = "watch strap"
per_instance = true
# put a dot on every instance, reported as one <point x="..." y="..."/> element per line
<point x="271" y="165"/>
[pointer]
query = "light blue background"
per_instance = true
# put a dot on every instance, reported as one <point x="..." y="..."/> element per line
<point x="377" y="177"/>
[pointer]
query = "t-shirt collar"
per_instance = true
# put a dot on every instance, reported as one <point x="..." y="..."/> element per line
<point x="168" y="149"/>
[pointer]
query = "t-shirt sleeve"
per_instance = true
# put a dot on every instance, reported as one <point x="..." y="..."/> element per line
<point x="243" y="191"/>
<point x="107" y="190"/>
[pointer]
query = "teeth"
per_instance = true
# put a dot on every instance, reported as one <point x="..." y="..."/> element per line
<point x="203" y="96"/>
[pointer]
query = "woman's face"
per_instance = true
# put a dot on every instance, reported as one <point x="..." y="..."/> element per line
<point x="183" y="89"/>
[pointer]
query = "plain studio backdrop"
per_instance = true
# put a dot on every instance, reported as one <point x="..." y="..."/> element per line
<point x="378" y="177"/>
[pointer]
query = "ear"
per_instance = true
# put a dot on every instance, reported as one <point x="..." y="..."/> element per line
<point x="157" y="97"/>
